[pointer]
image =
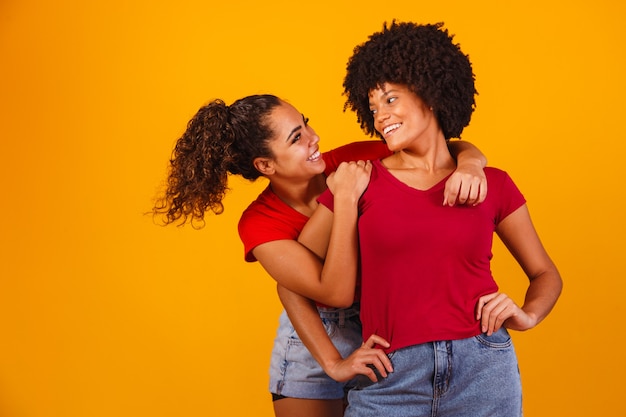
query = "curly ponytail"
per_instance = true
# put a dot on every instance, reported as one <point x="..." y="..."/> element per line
<point x="218" y="140"/>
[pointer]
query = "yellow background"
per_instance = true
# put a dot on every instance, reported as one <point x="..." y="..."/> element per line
<point x="103" y="313"/>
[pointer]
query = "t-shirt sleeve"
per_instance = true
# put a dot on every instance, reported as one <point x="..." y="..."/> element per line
<point x="510" y="196"/>
<point x="327" y="199"/>
<point x="261" y="226"/>
<point x="365" y="151"/>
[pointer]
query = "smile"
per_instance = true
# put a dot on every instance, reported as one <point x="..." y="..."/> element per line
<point x="391" y="128"/>
<point x="316" y="155"/>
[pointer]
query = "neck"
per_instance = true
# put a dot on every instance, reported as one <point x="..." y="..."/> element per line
<point x="301" y="196"/>
<point x="431" y="155"/>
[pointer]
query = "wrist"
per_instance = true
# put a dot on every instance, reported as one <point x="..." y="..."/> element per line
<point x="347" y="199"/>
<point x="531" y="320"/>
<point x="328" y="364"/>
<point x="470" y="162"/>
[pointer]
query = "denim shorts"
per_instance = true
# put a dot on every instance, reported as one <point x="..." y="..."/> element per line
<point x="295" y="373"/>
<point x="476" y="377"/>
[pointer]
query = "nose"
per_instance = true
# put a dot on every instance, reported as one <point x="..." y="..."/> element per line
<point x="313" y="138"/>
<point x="381" y="115"/>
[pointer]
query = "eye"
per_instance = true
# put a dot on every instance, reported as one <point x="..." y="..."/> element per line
<point x="391" y="99"/>
<point x="298" y="131"/>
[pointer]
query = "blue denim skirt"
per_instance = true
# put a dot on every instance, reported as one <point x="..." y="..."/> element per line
<point x="293" y="371"/>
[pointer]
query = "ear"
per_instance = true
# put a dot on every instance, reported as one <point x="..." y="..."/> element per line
<point x="264" y="165"/>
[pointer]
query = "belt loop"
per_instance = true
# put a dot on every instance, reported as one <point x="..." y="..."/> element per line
<point x="342" y="318"/>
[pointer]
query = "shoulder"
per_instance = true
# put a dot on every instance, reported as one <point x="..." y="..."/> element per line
<point x="268" y="219"/>
<point x="268" y="215"/>
<point x="364" y="146"/>
<point x="496" y="175"/>
<point x="264" y="202"/>
<point x="364" y="150"/>
<point x="494" y="171"/>
<point x="503" y="190"/>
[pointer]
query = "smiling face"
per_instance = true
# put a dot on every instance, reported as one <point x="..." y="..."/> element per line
<point x="401" y="116"/>
<point x="295" y="145"/>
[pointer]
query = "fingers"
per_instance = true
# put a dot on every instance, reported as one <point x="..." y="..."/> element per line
<point x="355" y="164"/>
<point x="374" y="340"/>
<point x="382" y="362"/>
<point x="350" y="177"/>
<point x="353" y="169"/>
<point x="482" y="302"/>
<point x="374" y="360"/>
<point x="478" y="192"/>
<point x="465" y="189"/>
<point x="364" y="166"/>
<point x="450" y="194"/>
<point x="367" y="358"/>
<point x="492" y="310"/>
<point x="482" y="194"/>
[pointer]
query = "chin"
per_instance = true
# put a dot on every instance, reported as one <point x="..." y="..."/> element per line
<point x="320" y="165"/>
<point x="393" y="147"/>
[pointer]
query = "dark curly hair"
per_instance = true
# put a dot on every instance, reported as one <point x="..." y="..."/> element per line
<point x="426" y="60"/>
<point x="219" y="140"/>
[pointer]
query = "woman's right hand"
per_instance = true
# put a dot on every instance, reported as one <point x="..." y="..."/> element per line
<point x="351" y="178"/>
<point x="362" y="360"/>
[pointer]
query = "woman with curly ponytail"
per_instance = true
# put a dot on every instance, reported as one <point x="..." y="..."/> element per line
<point x="262" y="135"/>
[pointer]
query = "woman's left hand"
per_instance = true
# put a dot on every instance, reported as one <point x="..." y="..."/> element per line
<point x="466" y="185"/>
<point x="497" y="309"/>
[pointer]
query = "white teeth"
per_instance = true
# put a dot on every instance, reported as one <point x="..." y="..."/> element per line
<point x="314" y="156"/>
<point x="391" y="127"/>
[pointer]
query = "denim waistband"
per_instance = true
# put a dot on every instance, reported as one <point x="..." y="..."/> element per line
<point x="330" y="313"/>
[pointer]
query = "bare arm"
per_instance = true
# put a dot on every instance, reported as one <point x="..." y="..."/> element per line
<point x="468" y="184"/>
<point x="305" y="318"/>
<point x="326" y="230"/>
<point x="545" y="284"/>
<point x="296" y="268"/>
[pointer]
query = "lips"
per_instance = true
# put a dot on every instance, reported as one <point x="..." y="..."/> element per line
<point x="391" y="128"/>
<point x="315" y="156"/>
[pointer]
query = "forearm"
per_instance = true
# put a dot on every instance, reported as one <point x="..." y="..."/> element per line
<point x="520" y="237"/>
<point x="340" y="267"/>
<point x="466" y="154"/>
<point x="306" y="321"/>
<point x="542" y="294"/>
<point x="332" y="236"/>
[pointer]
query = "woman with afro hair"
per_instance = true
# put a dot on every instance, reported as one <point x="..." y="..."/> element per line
<point x="426" y="283"/>
<point x="318" y="348"/>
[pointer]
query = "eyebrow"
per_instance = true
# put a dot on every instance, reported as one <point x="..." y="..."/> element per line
<point x="385" y="94"/>
<point x="295" y="129"/>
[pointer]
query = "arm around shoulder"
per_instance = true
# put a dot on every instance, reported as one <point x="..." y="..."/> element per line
<point x="468" y="183"/>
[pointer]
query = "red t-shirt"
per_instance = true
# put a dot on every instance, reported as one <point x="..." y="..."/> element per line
<point x="424" y="265"/>
<point x="268" y="218"/>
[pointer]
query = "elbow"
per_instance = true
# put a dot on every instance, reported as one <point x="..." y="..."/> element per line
<point x="557" y="281"/>
<point x="560" y="286"/>
<point x="339" y="300"/>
